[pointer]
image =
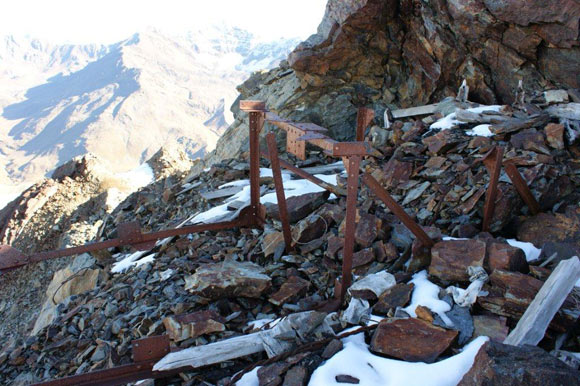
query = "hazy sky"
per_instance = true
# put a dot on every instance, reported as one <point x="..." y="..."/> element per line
<point x="108" y="21"/>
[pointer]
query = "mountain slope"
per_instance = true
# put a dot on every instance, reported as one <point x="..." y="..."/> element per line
<point x="122" y="102"/>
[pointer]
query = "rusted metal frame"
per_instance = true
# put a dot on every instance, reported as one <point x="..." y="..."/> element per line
<point x="398" y="211"/>
<point x="350" y="221"/>
<point x="307" y="176"/>
<point x="279" y="185"/>
<point x="522" y="187"/>
<point x="364" y="118"/>
<point x="146" y="352"/>
<point x="493" y="163"/>
<point x="256" y="125"/>
<point x="11" y="258"/>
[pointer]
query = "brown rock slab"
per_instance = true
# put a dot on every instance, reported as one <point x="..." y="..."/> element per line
<point x="530" y="139"/>
<point x="502" y="365"/>
<point x="182" y="327"/>
<point x="310" y="228"/>
<point x="493" y="327"/>
<point x="555" y="135"/>
<point x="443" y="141"/>
<point x="363" y="257"/>
<point x="546" y="227"/>
<point x="228" y="279"/>
<point x="411" y="339"/>
<point x="507" y="258"/>
<point x="299" y="206"/>
<point x="424" y="313"/>
<point x="296" y="376"/>
<point x="273" y="243"/>
<point x="332" y="348"/>
<point x="294" y="288"/>
<point x="450" y="259"/>
<point x="367" y="230"/>
<point x="335" y="244"/>
<point x="396" y="296"/>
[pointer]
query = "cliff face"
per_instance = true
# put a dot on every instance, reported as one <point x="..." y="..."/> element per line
<point x="404" y="53"/>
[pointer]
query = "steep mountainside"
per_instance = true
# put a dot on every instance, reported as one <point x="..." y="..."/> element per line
<point x="121" y="102"/>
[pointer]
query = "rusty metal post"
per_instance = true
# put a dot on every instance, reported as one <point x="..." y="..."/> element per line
<point x="256" y="125"/>
<point x="522" y="187"/>
<point x="279" y="185"/>
<point x="363" y="120"/>
<point x="493" y="165"/>
<point x="394" y="207"/>
<point x="350" y="221"/>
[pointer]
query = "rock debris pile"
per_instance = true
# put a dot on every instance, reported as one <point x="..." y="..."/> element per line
<point x="412" y="303"/>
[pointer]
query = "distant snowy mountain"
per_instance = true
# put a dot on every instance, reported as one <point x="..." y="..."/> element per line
<point x="120" y="102"/>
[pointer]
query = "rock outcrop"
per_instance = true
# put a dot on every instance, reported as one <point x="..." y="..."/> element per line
<point x="403" y="53"/>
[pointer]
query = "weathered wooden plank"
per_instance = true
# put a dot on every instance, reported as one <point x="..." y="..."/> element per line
<point x="413" y="111"/>
<point x="221" y="193"/>
<point x="566" y="110"/>
<point x="533" y="324"/>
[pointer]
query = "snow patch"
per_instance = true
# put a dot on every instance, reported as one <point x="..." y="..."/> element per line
<point x="357" y="361"/>
<point x="139" y="177"/>
<point x="131" y="261"/>
<point x="250" y="379"/>
<point x="481" y="131"/>
<point x="426" y="294"/>
<point x="450" y="121"/>
<point x="532" y="253"/>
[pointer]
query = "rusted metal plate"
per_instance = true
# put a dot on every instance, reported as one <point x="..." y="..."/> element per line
<point x="294" y="145"/>
<point x="364" y="118"/>
<point x="312" y="135"/>
<point x="130" y="234"/>
<point x="151" y="348"/>
<point x="11" y="258"/>
<point x="522" y="188"/>
<point x="344" y="149"/>
<point x="252" y="105"/>
<point x="310" y="127"/>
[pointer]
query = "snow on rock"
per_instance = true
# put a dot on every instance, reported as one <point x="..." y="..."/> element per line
<point x="139" y="177"/>
<point x="450" y="120"/>
<point x="480" y="130"/>
<point x="426" y="294"/>
<point x="532" y="253"/>
<point x="250" y="379"/>
<point x="131" y="260"/>
<point x="357" y="361"/>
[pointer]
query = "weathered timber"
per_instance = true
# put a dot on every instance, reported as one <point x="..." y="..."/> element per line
<point x="533" y="324"/>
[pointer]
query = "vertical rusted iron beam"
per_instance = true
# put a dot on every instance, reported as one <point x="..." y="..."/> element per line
<point x="256" y="125"/>
<point x="279" y="185"/>
<point x="397" y="210"/>
<point x="493" y="164"/>
<point x="363" y="120"/>
<point x="522" y="187"/>
<point x="351" y="198"/>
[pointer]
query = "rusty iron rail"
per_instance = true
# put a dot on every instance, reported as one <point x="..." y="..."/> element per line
<point x="522" y="187"/>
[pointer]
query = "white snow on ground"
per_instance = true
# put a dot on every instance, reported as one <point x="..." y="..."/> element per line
<point x="451" y="121"/>
<point x="357" y="361"/>
<point x="480" y="130"/>
<point x="139" y="177"/>
<point x="426" y="294"/>
<point x="130" y="261"/>
<point x="532" y="253"/>
<point x="250" y="379"/>
<point x="291" y="188"/>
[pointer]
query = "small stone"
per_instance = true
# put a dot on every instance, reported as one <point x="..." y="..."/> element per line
<point x="343" y="378"/>
<point x="294" y="288"/>
<point x="296" y="376"/>
<point x="367" y="230"/>
<point x="182" y="327"/>
<point x="373" y="285"/>
<point x="555" y="135"/>
<point x="363" y="257"/>
<point x="396" y="296"/>
<point x="310" y="228"/>
<point x="450" y="259"/>
<point x="506" y="257"/>
<point x="332" y="348"/>
<point x="493" y="327"/>
<point x="424" y="313"/>
<point x="273" y="243"/>
<point x="271" y="375"/>
<point x="412" y="340"/>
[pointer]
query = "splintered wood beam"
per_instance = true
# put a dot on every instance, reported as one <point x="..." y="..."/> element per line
<point x="533" y="324"/>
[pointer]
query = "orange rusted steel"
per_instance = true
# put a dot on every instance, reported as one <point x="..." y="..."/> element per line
<point x="522" y="188"/>
<point x="350" y="220"/>
<point x="364" y="117"/>
<point x="279" y="185"/>
<point x="492" y="162"/>
<point x="397" y="210"/>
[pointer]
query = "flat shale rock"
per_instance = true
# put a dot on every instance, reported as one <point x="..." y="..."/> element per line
<point x="506" y="257"/>
<point x="228" y="279"/>
<point x="299" y="206"/>
<point x="450" y="259"/>
<point x="397" y="296"/>
<point x="493" y="327"/>
<point x="310" y="228"/>
<point x="294" y="288"/>
<point x="411" y="339"/>
<point x="192" y="325"/>
<point x="546" y="227"/>
<point x="502" y="365"/>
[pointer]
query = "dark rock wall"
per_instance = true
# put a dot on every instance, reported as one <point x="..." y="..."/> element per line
<point x="403" y="53"/>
